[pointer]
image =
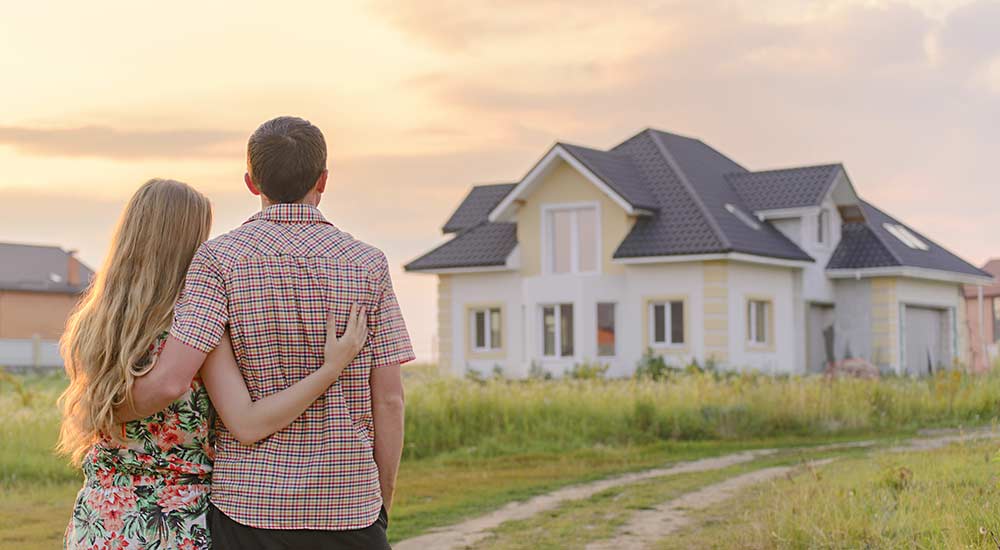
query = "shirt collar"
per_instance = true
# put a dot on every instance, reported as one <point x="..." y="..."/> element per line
<point x="290" y="213"/>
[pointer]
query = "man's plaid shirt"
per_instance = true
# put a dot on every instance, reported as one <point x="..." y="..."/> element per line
<point x="272" y="282"/>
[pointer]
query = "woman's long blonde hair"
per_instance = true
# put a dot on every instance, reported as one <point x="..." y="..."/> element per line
<point x="129" y="304"/>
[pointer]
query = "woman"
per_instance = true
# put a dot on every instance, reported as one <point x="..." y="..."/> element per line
<point x="146" y="483"/>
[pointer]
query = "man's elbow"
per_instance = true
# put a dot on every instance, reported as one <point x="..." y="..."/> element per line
<point x="172" y="390"/>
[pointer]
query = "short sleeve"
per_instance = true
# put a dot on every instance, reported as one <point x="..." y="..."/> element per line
<point x="389" y="339"/>
<point x="202" y="313"/>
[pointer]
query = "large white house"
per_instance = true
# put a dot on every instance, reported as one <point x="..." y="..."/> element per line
<point x="664" y="243"/>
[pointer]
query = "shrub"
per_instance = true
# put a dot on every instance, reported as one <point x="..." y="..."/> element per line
<point x="652" y="366"/>
<point x="588" y="370"/>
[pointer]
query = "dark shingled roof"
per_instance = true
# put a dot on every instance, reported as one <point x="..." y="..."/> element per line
<point x="688" y="179"/>
<point x="619" y="172"/>
<point x="689" y="189"/>
<point x="788" y="188"/>
<point x="869" y="244"/>
<point x="477" y="206"/>
<point x="39" y="269"/>
<point x="485" y="245"/>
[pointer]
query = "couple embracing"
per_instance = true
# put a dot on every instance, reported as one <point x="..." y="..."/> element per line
<point x="239" y="393"/>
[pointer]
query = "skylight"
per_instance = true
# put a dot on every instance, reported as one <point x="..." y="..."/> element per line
<point x="905" y="236"/>
<point x="743" y="217"/>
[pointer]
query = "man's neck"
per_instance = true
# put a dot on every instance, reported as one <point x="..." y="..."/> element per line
<point x="312" y="199"/>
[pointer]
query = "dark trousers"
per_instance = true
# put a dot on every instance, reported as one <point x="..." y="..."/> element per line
<point x="229" y="535"/>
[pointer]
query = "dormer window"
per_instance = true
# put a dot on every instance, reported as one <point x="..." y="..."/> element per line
<point x="905" y="236"/>
<point x="823" y="227"/>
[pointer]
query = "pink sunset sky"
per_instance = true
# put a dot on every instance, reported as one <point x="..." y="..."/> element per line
<point x="421" y="99"/>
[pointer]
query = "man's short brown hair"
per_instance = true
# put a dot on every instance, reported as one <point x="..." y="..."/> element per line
<point x="285" y="157"/>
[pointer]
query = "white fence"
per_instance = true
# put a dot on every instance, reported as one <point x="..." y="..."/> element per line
<point x="28" y="353"/>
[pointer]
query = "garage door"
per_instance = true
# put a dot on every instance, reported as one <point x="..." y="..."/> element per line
<point x="926" y="340"/>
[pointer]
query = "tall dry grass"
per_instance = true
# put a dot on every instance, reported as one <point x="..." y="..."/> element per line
<point x="500" y="416"/>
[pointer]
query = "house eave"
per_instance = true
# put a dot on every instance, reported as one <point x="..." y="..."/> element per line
<point x="731" y="256"/>
<point x="909" y="272"/>
<point x="459" y="270"/>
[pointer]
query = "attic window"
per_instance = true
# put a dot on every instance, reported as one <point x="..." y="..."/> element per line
<point x="905" y="236"/>
<point x="743" y="217"/>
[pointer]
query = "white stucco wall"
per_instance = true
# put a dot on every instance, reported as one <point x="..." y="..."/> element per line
<point x="803" y="231"/>
<point x="487" y="288"/>
<point x="778" y="285"/>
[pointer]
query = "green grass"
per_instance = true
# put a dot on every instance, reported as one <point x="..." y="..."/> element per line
<point x="933" y="499"/>
<point x="472" y="446"/>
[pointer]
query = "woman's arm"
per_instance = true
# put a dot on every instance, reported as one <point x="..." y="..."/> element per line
<point x="250" y="421"/>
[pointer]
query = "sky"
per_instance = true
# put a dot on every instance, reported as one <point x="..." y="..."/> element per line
<point x="420" y="99"/>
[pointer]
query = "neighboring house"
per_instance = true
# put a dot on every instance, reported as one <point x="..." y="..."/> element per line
<point x="39" y="287"/>
<point x="664" y="243"/>
<point x="983" y="304"/>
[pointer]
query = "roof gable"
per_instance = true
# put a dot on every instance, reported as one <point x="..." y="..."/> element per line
<point x="786" y="188"/>
<point x="614" y="176"/>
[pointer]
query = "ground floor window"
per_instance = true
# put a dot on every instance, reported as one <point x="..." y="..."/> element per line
<point x="758" y="317"/>
<point x="557" y="330"/>
<point x="486" y="329"/>
<point x="605" y="329"/>
<point x="666" y="323"/>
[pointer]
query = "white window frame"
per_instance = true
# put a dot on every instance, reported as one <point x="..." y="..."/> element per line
<point x="753" y="304"/>
<point x="487" y="326"/>
<point x="548" y="257"/>
<point x="667" y="323"/>
<point x="557" y="345"/>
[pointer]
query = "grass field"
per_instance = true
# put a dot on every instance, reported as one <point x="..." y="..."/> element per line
<point x="945" y="498"/>
<point x="474" y="445"/>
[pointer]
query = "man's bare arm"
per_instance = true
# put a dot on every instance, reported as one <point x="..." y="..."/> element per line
<point x="170" y="377"/>
<point x="387" y="409"/>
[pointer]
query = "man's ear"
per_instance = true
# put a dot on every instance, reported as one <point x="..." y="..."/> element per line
<point x="321" y="182"/>
<point x="250" y="185"/>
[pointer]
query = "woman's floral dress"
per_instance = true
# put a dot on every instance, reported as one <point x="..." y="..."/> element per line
<point x="149" y="490"/>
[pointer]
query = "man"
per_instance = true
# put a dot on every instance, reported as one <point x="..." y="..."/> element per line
<point x="325" y="481"/>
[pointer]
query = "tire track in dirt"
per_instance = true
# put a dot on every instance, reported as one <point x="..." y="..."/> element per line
<point x="648" y="526"/>
<point x="467" y="533"/>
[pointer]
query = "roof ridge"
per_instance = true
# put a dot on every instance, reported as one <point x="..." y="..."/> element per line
<point x="594" y="149"/>
<point x="672" y="162"/>
<point x="480" y="185"/>
<point x="790" y="168"/>
<point x="26" y="245"/>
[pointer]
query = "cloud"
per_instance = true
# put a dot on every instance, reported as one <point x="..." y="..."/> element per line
<point x="107" y="142"/>
<point x="856" y="82"/>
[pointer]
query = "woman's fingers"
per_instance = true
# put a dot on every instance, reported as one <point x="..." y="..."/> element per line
<point x="350" y="320"/>
<point x="362" y="327"/>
